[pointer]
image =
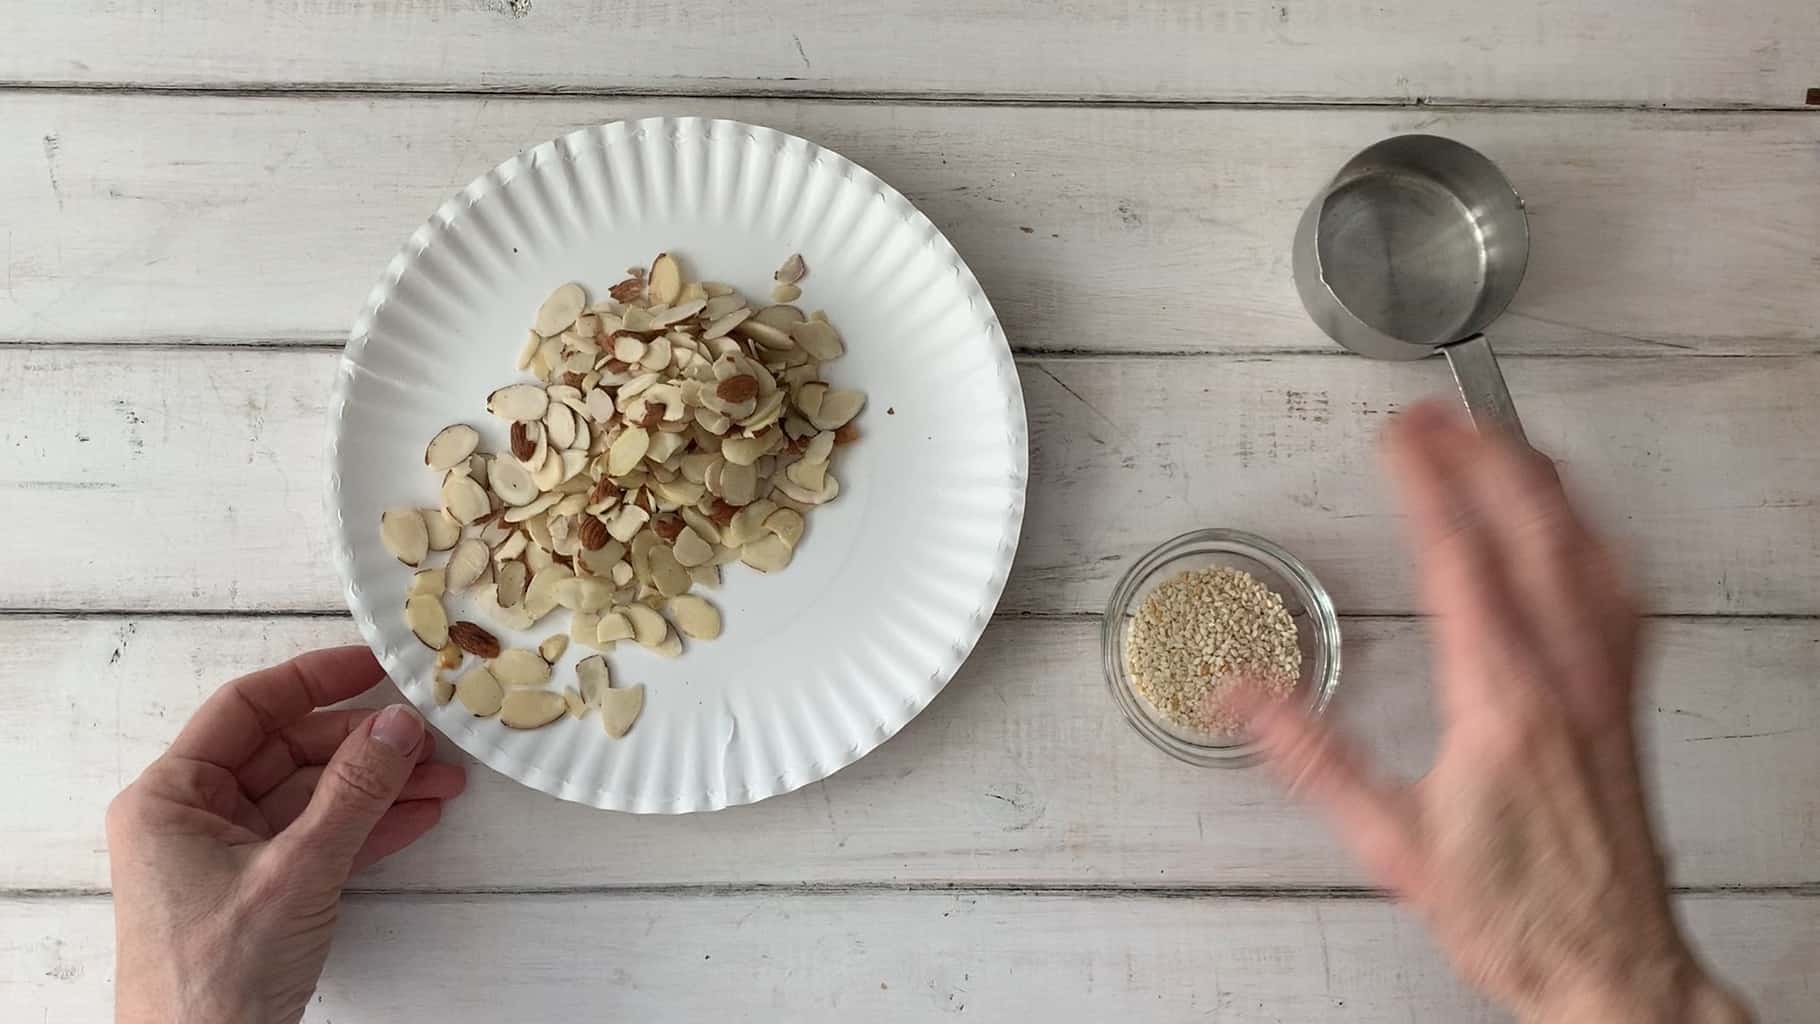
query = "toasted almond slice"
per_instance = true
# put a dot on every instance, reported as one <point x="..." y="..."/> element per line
<point x="518" y="667"/>
<point x="648" y="627"/>
<point x="596" y="678"/>
<point x="513" y="483"/>
<point x="577" y="706"/>
<point x="428" y="621"/>
<point x="837" y="407"/>
<point x="444" y="531"/>
<point x="464" y="500"/>
<point x="767" y="554"/>
<point x="787" y="524"/>
<point x="466" y="563"/>
<point x="786" y="293"/>
<point x="531" y="709"/>
<point x="695" y="617"/>
<point x="442" y="691"/>
<point x="619" y="709"/>
<point x="558" y="312"/>
<point x="404" y="534"/>
<point x="614" y="627"/>
<point x="628" y="451"/>
<point x="512" y="579"/>
<point x="520" y="402"/>
<point x="427" y="583"/>
<point x="451" y="446"/>
<point x="479" y="692"/>
<point x="792" y="271"/>
<point x="553" y="647"/>
<point x="665" y="283"/>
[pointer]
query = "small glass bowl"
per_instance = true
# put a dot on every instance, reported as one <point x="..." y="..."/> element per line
<point x="1317" y="632"/>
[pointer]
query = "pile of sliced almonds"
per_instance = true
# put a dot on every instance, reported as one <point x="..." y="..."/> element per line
<point x="672" y="429"/>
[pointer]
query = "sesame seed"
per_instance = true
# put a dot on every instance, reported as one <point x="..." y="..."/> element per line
<point x="1202" y="633"/>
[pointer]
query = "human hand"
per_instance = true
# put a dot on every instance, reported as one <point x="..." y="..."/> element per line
<point x="1527" y="849"/>
<point x="229" y="852"/>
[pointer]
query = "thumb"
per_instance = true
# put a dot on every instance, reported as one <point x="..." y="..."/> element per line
<point x="367" y="773"/>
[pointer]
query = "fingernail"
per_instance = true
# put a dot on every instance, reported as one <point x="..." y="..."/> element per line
<point x="398" y="727"/>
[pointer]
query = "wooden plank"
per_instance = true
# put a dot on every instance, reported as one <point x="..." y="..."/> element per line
<point x="185" y="479"/>
<point x="886" y="957"/>
<point x="1020" y="773"/>
<point x="1096" y="229"/>
<point x="1677" y="53"/>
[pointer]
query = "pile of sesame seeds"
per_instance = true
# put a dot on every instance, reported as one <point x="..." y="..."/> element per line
<point x="1204" y="632"/>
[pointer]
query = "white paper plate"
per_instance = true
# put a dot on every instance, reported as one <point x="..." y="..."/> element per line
<point x="894" y="581"/>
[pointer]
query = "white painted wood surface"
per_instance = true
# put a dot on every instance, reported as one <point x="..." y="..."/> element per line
<point x="258" y="219"/>
<point x="216" y="452"/>
<point x="1021" y="773"/>
<point x="887" y="957"/>
<point x="177" y="267"/>
<point x="1675" y="52"/>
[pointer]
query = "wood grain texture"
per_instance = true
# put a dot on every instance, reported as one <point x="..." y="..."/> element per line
<point x="1681" y="52"/>
<point x="187" y="479"/>
<point x="886" y="957"/>
<point x="1021" y="773"/>
<point x="134" y="218"/>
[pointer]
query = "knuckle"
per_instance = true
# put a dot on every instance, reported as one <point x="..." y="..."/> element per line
<point x="363" y="778"/>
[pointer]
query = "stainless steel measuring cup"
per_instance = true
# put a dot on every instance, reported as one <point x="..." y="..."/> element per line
<point x="1415" y="246"/>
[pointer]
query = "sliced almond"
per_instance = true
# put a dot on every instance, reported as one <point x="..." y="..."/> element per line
<point x="550" y="473"/>
<point x="531" y="709"/>
<point x="442" y="691"/>
<point x="818" y="338"/>
<point x="837" y="407"/>
<point x="691" y="549"/>
<point x="553" y="647"/>
<point x="705" y="575"/>
<point x="648" y="627"/>
<point x="764" y="334"/>
<point x="619" y="709"/>
<point x="427" y="583"/>
<point x="614" y="627"/>
<point x="787" y="524"/>
<point x="520" y="402"/>
<point x="665" y="284"/>
<point x="738" y="484"/>
<point x="514" y="617"/>
<point x="479" y="692"/>
<point x="427" y="620"/>
<point x="464" y="500"/>
<point x="558" y="312"/>
<point x="596" y="679"/>
<point x="451" y="446"/>
<point x="781" y="318"/>
<point x="512" y="578"/>
<point x="466" y="563"/>
<point x="786" y="293"/>
<point x="792" y="271"/>
<point x="577" y="706"/>
<point x="404" y="534"/>
<point x="528" y="352"/>
<point x="523" y="513"/>
<point x="584" y="594"/>
<point x="767" y="554"/>
<point x="518" y="667"/>
<point x="669" y="575"/>
<point x="444" y="531"/>
<point x="628" y="451"/>
<point x="695" y="617"/>
<point x="540" y="595"/>
<point x="513" y="483"/>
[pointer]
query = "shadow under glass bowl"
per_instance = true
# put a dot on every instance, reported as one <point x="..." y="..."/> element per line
<point x="1317" y="634"/>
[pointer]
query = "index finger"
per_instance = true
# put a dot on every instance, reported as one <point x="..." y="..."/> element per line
<point x="231" y="724"/>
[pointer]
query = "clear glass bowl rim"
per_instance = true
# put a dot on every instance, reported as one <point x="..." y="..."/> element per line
<point x="1314" y="599"/>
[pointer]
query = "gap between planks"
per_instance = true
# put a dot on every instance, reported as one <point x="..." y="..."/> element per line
<point x="756" y="90"/>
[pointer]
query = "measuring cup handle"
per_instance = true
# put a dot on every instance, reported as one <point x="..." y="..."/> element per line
<point x="1481" y="383"/>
